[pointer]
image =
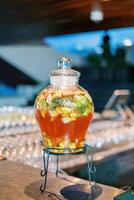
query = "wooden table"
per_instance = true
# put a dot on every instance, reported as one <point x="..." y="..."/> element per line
<point x="21" y="182"/>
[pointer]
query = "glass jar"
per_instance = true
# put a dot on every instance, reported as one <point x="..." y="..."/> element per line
<point x="64" y="110"/>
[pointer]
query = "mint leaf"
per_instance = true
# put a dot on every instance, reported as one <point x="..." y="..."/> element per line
<point x="42" y="104"/>
<point x="55" y="103"/>
<point x="83" y="105"/>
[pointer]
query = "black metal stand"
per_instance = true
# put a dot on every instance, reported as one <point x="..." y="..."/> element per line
<point x="88" y="150"/>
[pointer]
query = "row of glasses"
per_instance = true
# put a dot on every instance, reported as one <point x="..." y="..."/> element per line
<point x="15" y="120"/>
<point x="20" y="138"/>
<point x="19" y="134"/>
<point x="25" y="148"/>
<point x="112" y="135"/>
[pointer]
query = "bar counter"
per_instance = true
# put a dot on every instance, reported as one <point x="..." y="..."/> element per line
<point x="22" y="182"/>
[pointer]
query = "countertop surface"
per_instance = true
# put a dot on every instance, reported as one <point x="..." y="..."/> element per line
<point x="22" y="182"/>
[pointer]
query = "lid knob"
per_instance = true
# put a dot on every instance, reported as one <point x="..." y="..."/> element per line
<point x="64" y="63"/>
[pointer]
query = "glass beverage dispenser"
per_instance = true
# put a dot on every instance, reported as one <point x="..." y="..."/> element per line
<point x="64" y="110"/>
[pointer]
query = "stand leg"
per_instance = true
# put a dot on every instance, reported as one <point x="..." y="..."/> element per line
<point x="44" y="172"/>
<point x="91" y="168"/>
<point x="57" y="166"/>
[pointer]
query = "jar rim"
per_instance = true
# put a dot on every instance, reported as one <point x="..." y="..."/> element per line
<point x="64" y="72"/>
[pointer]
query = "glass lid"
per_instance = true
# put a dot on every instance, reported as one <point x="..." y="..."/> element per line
<point x="64" y="68"/>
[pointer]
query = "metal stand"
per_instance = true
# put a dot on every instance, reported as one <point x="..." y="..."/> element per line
<point x="51" y="151"/>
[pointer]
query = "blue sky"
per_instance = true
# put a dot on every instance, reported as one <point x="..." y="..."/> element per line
<point x="83" y="43"/>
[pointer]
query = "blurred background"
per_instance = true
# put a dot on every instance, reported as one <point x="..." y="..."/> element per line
<point x="99" y="37"/>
